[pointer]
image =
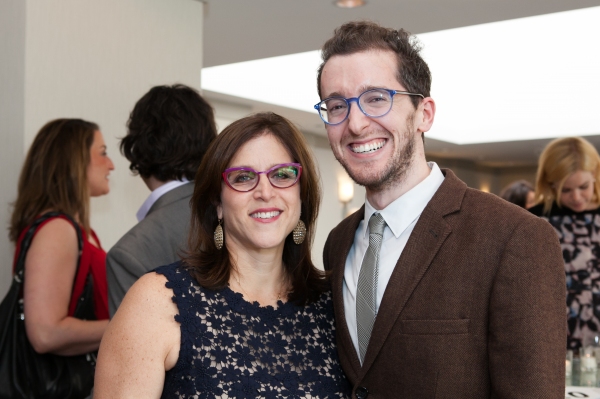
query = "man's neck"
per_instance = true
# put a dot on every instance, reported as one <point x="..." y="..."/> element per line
<point x="418" y="171"/>
<point x="153" y="183"/>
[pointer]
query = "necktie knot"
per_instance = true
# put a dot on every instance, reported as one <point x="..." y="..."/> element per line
<point x="376" y="224"/>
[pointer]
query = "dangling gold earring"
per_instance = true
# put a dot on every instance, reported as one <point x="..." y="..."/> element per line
<point x="299" y="232"/>
<point x="219" y="236"/>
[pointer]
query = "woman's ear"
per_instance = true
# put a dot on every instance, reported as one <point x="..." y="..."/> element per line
<point x="219" y="212"/>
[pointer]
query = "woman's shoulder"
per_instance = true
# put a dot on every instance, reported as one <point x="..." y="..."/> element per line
<point x="555" y="210"/>
<point x="53" y="224"/>
<point x="54" y="234"/>
<point x="148" y="292"/>
<point x="149" y="284"/>
<point x="537" y="210"/>
<point x="57" y="223"/>
<point x="559" y="211"/>
<point x="177" y="276"/>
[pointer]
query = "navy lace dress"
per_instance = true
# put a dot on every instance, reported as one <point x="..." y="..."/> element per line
<point x="231" y="348"/>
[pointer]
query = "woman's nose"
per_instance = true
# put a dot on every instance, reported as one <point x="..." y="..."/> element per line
<point x="264" y="189"/>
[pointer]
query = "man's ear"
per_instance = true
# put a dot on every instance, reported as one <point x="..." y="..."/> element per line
<point x="426" y="114"/>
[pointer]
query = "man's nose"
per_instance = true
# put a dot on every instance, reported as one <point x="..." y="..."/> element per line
<point x="357" y="120"/>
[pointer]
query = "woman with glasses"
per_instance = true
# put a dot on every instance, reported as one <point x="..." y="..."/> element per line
<point x="568" y="195"/>
<point x="245" y="313"/>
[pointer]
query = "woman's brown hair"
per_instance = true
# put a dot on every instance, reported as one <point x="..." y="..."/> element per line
<point x="559" y="160"/>
<point x="210" y="266"/>
<point x="54" y="175"/>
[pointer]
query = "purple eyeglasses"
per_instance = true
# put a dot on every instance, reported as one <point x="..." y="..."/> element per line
<point x="246" y="179"/>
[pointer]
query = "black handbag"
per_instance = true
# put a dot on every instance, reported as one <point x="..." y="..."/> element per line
<point x="26" y="374"/>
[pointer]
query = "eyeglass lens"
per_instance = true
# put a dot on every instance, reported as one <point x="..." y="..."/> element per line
<point x="374" y="102"/>
<point x="247" y="179"/>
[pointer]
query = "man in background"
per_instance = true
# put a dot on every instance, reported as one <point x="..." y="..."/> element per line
<point x="439" y="290"/>
<point x="169" y="130"/>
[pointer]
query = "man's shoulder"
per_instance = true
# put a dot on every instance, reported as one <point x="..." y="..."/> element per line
<point x="161" y="232"/>
<point x="172" y="201"/>
<point x="493" y="206"/>
<point x="496" y="217"/>
<point x="165" y="219"/>
<point x="173" y="211"/>
<point x="466" y="211"/>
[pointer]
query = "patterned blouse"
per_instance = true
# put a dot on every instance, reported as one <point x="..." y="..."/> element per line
<point x="236" y="349"/>
<point x="579" y="236"/>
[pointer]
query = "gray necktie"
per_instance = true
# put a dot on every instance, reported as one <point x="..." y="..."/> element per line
<point x="366" y="292"/>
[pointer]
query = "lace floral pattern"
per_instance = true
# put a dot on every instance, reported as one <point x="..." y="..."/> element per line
<point x="579" y="236"/>
<point x="231" y="348"/>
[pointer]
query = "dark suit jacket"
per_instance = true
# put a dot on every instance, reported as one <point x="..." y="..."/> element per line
<point x="475" y="307"/>
<point x="155" y="241"/>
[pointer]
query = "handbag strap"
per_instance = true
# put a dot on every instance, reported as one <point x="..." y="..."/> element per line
<point x="26" y="243"/>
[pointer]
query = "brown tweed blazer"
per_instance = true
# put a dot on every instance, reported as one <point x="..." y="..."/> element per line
<point x="475" y="307"/>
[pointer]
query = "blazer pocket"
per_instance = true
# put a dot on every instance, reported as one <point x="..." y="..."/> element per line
<point x="435" y="327"/>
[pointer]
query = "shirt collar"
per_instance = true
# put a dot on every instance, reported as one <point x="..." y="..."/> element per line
<point x="156" y="194"/>
<point x="406" y="209"/>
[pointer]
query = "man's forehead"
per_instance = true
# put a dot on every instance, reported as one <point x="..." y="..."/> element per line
<point x="378" y="56"/>
<point x="358" y="72"/>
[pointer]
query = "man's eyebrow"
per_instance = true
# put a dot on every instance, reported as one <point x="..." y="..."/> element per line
<point x="334" y="94"/>
<point x="369" y="87"/>
<point x="361" y="90"/>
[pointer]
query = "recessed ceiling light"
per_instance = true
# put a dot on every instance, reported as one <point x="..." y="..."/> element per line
<point x="349" y="3"/>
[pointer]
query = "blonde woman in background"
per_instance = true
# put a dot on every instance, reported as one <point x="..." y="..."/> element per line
<point x="567" y="195"/>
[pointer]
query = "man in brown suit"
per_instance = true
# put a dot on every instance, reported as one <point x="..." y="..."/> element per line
<point x="440" y="290"/>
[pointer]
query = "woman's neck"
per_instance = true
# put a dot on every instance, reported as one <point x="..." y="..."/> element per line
<point x="259" y="276"/>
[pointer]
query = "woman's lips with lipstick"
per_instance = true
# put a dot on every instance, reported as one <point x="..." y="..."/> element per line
<point x="265" y="214"/>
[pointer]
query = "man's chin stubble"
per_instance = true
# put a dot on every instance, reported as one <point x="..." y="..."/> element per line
<point x="393" y="175"/>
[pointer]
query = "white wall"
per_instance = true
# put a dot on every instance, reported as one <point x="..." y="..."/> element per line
<point x="93" y="60"/>
<point x="12" y="103"/>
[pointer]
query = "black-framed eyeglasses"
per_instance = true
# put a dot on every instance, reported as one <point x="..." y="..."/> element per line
<point x="373" y="103"/>
<point x="246" y="179"/>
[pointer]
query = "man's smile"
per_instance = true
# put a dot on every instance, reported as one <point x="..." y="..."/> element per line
<point x="367" y="147"/>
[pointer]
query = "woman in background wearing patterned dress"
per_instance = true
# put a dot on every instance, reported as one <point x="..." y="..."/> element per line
<point x="245" y="314"/>
<point x="568" y="194"/>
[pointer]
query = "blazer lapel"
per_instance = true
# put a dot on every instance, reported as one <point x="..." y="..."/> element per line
<point x="427" y="238"/>
<point x="341" y="245"/>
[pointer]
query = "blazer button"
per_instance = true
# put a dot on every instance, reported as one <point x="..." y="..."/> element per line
<point x="362" y="393"/>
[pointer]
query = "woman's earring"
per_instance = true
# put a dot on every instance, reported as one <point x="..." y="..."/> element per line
<point x="299" y="232"/>
<point x="219" y="236"/>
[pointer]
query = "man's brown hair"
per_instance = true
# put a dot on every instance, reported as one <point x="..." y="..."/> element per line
<point x="358" y="36"/>
<point x="168" y="133"/>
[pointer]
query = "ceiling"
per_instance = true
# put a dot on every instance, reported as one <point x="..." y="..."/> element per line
<point x="242" y="30"/>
